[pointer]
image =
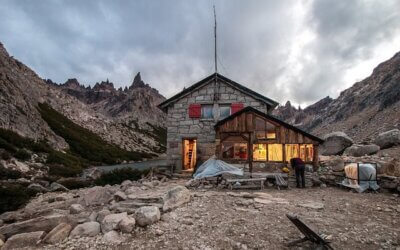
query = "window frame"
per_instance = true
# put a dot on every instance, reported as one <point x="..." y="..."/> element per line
<point x="202" y="113"/>
<point x="224" y="106"/>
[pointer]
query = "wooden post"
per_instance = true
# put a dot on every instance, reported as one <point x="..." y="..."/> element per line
<point x="315" y="160"/>
<point x="250" y="156"/>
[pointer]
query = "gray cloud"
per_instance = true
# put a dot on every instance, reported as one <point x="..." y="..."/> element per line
<point x="299" y="51"/>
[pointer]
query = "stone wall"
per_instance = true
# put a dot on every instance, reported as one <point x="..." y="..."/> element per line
<point x="180" y="126"/>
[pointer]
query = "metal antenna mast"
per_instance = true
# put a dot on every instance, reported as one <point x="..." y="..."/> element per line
<point x="215" y="40"/>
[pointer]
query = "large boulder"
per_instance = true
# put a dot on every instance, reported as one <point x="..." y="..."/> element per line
<point x="388" y="139"/>
<point x="54" y="187"/>
<point x="38" y="188"/>
<point x="335" y="143"/>
<point x="96" y="196"/>
<point x="90" y="229"/>
<point x="58" y="234"/>
<point x="24" y="240"/>
<point x="358" y="150"/>
<point x="43" y="223"/>
<point x="147" y="215"/>
<point x="111" y="221"/>
<point x="175" y="197"/>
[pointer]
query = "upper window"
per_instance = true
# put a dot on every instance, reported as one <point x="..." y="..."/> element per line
<point x="207" y="111"/>
<point x="224" y="111"/>
<point x="271" y="132"/>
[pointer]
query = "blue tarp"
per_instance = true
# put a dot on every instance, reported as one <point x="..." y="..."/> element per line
<point x="214" y="167"/>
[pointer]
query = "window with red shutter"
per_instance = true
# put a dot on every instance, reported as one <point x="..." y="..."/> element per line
<point x="194" y="111"/>
<point x="236" y="107"/>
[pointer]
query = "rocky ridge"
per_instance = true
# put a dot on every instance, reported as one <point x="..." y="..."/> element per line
<point x="362" y="111"/>
<point x="129" y="119"/>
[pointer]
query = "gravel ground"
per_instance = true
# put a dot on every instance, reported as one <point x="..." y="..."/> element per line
<point x="220" y="219"/>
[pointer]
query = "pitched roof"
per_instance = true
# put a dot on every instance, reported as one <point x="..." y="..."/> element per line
<point x="270" y="117"/>
<point x="271" y="103"/>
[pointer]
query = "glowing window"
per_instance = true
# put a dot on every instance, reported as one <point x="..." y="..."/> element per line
<point x="309" y="152"/>
<point x="259" y="152"/>
<point x="240" y="151"/>
<point x="291" y="151"/>
<point x="233" y="150"/>
<point x="303" y="152"/>
<point x="275" y="152"/>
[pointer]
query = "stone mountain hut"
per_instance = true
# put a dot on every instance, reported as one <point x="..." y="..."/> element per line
<point x="218" y="116"/>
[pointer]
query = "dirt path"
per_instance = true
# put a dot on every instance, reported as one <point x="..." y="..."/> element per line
<point x="219" y="219"/>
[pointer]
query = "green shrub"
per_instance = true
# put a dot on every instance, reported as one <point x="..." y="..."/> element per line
<point x="73" y="183"/>
<point x="7" y="146"/>
<point x="22" y="154"/>
<point x="64" y="171"/>
<point x="83" y="142"/>
<point x="5" y="156"/>
<point x="117" y="176"/>
<point x="13" y="196"/>
<point x="6" y="173"/>
<point x="10" y="141"/>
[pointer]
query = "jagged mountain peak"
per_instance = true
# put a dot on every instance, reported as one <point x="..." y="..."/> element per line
<point x="138" y="82"/>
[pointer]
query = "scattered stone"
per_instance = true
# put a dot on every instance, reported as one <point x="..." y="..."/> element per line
<point x="336" y="163"/>
<point x="113" y="237"/>
<point x="102" y="214"/>
<point x="76" y="209"/>
<point x="93" y="216"/>
<point x="312" y="205"/>
<point x="38" y="188"/>
<point x="127" y="224"/>
<point x="54" y="187"/>
<point x="1" y="243"/>
<point x="90" y="229"/>
<point x="24" y="240"/>
<point x="335" y="143"/>
<point x="176" y="197"/>
<point x="388" y="139"/>
<point x="147" y="215"/>
<point x="111" y="221"/>
<point x="358" y="150"/>
<point x="58" y="234"/>
<point x="43" y="223"/>
<point x="120" y="196"/>
<point x="159" y="232"/>
<point x="1" y="223"/>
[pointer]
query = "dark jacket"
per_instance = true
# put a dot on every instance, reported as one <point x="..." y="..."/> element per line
<point x="297" y="163"/>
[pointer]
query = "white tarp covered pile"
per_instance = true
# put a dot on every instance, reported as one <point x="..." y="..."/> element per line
<point x="213" y="167"/>
<point x="360" y="176"/>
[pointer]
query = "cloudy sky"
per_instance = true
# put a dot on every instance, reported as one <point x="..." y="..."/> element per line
<point x="287" y="50"/>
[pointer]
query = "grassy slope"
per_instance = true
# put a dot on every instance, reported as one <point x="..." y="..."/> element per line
<point x="85" y="143"/>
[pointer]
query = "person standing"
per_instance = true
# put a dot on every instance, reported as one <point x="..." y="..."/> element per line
<point x="299" y="167"/>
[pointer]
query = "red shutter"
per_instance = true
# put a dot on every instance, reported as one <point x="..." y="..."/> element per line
<point x="235" y="107"/>
<point x="194" y="111"/>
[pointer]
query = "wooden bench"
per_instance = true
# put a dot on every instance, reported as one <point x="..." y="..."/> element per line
<point x="231" y="182"/>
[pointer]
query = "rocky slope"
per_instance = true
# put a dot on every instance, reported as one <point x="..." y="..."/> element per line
<point x="128" y="118"/>
<point x="362" y="111"/>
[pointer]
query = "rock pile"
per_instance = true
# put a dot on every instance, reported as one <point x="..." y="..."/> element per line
<point x="112" y="211"/>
